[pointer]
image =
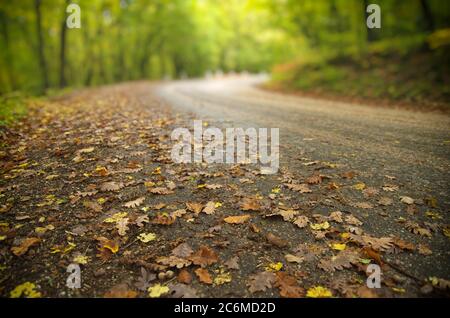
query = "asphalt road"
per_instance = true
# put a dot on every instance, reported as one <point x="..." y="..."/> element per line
<point x="378" y="143"/>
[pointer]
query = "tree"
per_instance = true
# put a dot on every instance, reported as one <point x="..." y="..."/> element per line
<point x="40" y="38"/>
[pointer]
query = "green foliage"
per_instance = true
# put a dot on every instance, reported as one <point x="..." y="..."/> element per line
<point x="155" y="39"/>
<point x="12" y="108"/>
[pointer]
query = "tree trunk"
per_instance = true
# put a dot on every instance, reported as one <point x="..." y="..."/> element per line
<point x="42" y="63"/>
<point x="62" y="52"/>
<point x="427" y="16"/>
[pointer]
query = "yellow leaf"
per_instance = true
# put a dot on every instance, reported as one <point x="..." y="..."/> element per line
<point x="146" y="237"/>
<point x="359" y="186"/>
<point x="157" y="290"/>
<point x="320" y="226"/>
<point x="274" y="267"/>
<point x="81" y="259"/>
<point x="345" y="235"/>
<point x="116" y="217"/>
<point x="26" y="289"/>
<point x="338" y="246"/>
<point x="276" y="190"/>
<point x="217" y="204"/>
<point x="2" y="237"/>
<point x="222" y="278"/>
<point x="318" y="292"/>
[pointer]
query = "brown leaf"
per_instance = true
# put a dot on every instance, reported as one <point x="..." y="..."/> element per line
<point x="135" y="203"/>
<point x="237" y="219"/>
<point x="344" y="259"/>
<point x="140" y="220"/>
<point x="182" y="291"/>
<point x="163" y="219"/>
<point x="250" y="204"/>
<point x="25" y="245"/>
<point x="160" y="190"/>
<point x="315" y="179"/>
<point x="261" y="281"/>
<point x="183" y="250"/>
<point x="287" y="215"/>
<point x="122" y="226"/>
<point x="173" y="261"/>
<point x="204" y="256"/>
<point x="301" y="221"/>
<point x="194" y="207"/>
<point x="121" y="291"/>
<point x="210" y="207"/>
<point x="232" y="263"/>
<point x="203" y="275"/>
<point x="92" y="205"/>
<point x="111" y="186"/>
<point x="302" y="188"/>
<point x="288" y="286"/>
<point x="184" y="277"/>
<point x="275" y="240"/>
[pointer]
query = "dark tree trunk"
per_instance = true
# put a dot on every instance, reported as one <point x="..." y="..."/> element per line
<point x="42" y="63"/>
<point x="7" y="52"/>
<point x="62" y="52"/>
<point x="427" y="16"/>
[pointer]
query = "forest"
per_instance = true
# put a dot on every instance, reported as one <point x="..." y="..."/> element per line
<point x="160" y="39"/>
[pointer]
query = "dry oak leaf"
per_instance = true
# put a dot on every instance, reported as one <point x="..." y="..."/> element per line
<point x="344" y="259"/>
<point x="163" y="219"/>
<point x="336" y="216"/>
<point x="25" y="245"/>
<point x="182" y="291"/>
<point x="407" y="200"/>
<point x="301" y="221"/>
<point x="122" y="226"/>
<point x="140" y="220"/>
<point x="204" y="256"/>
<point x="203" y="275"/>
<point x="178" y="213"/>
<point x="92" y="205"/>
<point x="213" y="186"/>
<point x="315" y="179"/>
<point x="194" y="207"/>
<point x="173" y="261"/>
<point x="385" y="201"/>
<point x="111" y="186"/>
<point x="288" y="286"/>
<point x="377" y="244"/>
<point x="183" y="250"/>
<point x="134" y="203"/>
<point x="261" y="281"/>
<point x="237" y="219"/>
<point x="121" y="291"/>
<point x="350" y="219"/>
<point x="210" y="207"/>
<point x="184" y="277"/>
<point x="250" y="204"/>
<point x="302" y="188"/>
<point x="232" y="263"/>
<point x="160" y="190"/>
<point x="417" y="229"/>
<point x="287" y="215"/>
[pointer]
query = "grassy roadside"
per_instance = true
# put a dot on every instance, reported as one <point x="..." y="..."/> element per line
<point x="411" y="74"/>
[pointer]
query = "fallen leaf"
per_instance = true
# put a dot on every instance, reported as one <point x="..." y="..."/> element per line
<point x="261" y="281"/>
<point x="318" y="292"/>
<point x="203" y="275"/>
<point x="135" y="203"/>
<point x="237" y="219"/>
<point x="204" y="256"/>
<point x="288" y="286"/>
<point x="25" y="245"/>
<point x="157" y="291"/>
<point x="147" y="237"/>
<point x="184" y="277"/>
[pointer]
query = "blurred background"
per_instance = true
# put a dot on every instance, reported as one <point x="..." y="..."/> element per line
<point x="317" y="46"/>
